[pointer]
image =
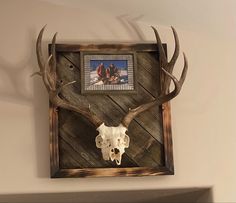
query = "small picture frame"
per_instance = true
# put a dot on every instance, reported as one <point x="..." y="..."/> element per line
<point x="108" y="72"/>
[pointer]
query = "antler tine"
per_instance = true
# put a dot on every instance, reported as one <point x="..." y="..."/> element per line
<point x="170" y="66"/>
<point x="163" y="60"/>
<point x="53" y="52"/>
<point x="164" y="98"/>
<point x="184" y="72"/>
<point x="46" y="76"/>
<point x="52" y="63"/>
<point x="162" y="55"/>
<point x="167" y="70"/>
<point x="40" y="58"/>
<point x="59" y="89"/>
<point x="39" y="50"/>
<point x="158" y="101"/>
<point x="176" y="52"/>
<point x="48" y="73"/>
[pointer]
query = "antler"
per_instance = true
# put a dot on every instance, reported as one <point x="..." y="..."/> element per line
<point x="167" y="68"/>
<point x="48" y="74"/>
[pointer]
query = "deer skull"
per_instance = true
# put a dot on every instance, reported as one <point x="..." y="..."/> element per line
<point x="112" y="141"/>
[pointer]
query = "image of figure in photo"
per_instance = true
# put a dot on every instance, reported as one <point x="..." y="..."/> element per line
<point x="101" y="72"/>
<point x="107" y="72"/>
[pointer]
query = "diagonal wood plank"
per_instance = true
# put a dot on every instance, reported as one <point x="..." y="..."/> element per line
<point x="147" y="73"/>
<point x="76" y="131"/>
<point x="139" y="150"/>
<point x="68" y="157"/>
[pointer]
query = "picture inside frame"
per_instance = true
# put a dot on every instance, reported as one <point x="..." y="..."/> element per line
<point x="108" y="73"/>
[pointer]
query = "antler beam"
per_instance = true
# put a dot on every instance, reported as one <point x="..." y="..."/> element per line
<point x="48" y="74"/>
<point x="167" y="68"/>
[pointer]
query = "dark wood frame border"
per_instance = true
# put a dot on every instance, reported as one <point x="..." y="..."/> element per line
<point x="110" y="52"/>
<point x="56" y="172"/>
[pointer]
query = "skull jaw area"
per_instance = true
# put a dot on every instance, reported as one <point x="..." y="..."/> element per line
<point x="112" y="141"/>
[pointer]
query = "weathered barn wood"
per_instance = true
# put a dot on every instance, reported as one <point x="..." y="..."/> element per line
<point x="73" y="144"/>
<point x="80" y="135"/>
<point x="146" y="90"/>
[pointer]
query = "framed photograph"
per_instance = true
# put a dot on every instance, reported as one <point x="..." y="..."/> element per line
<point x="108" y="72"/>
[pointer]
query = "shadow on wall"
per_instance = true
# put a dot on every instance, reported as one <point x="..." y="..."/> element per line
<point x="41" y="115"/>
<point x="13" y="78"/>
<point x="19" y="88"/>
<point x="131" y="26"/>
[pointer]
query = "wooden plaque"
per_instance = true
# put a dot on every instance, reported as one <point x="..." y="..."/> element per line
<point x="73" y="151"/>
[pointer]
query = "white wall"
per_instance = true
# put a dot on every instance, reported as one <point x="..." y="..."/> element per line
<point x="203" y="114"/>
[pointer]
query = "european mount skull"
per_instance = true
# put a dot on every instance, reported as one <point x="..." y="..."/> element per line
<point x="112" y="140"/>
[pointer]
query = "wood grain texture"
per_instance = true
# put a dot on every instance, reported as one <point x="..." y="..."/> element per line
<point x="105" y="47"/>
<point x="72" y="138"/>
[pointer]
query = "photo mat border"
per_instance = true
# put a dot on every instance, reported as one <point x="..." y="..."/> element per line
<point x="130" y="88"/>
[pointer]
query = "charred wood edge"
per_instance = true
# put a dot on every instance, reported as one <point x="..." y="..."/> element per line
<point x="167" y="132"/>
<point x="107" y="47"/>
<point x="109" y="172"/>
<point x="56" y="172"/>
<point x="54" y="146"/>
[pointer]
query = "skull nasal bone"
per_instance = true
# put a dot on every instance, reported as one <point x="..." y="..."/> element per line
<point x="117" y="151"/>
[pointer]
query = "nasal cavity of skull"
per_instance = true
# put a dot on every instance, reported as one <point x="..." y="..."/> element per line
<point x="115" y="150"/>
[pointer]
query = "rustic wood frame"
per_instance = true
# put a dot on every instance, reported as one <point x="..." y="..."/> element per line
<point x="108" y="52"/>
<point x="57" y="172"/>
